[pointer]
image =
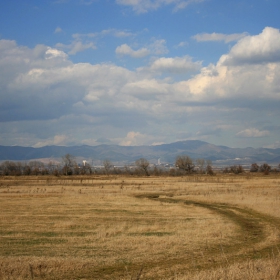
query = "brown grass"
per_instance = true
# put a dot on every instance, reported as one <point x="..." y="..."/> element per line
<point x="193" y="227"/>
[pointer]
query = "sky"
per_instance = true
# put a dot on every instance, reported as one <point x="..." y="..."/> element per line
<point x="139" y="72"/>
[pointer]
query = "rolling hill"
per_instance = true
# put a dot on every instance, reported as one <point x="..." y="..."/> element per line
<point x="220" y="155"/>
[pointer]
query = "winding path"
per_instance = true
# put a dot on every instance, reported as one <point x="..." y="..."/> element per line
<point x="258" y="235"/>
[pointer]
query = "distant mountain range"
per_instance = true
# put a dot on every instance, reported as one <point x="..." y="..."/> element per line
<point x="220" y="155"/>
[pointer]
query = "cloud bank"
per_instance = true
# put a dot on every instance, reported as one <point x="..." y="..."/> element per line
<point x="144" y="6"/>
<point x="204" y="37"/>
<point x="44" y="93"/>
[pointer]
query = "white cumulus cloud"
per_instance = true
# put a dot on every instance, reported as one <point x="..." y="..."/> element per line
<point x="127" y="50"/>
<point x="175" y="64"/>
<point x="157" y="47"/>
<point x="134" y="138"/>
<point x="76" y="46"/>
<point x="258" y="49"/>
<point x="43" y="94"/>
<point x="143" y="6"/>
<point x="56" y="140"/>
<point x="58" y="30"/>
<point x="252" y="132"/>
<point x="54" y="53"/>
<point x="203" y="37"/>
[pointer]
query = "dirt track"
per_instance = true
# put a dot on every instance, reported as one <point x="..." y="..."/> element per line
<point x="258" y="237"/>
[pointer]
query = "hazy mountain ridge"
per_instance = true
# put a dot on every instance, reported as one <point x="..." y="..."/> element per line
<point x="128" y="154"/>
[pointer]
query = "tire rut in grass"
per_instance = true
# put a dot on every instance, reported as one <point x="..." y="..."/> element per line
<point x="251" y="241"/>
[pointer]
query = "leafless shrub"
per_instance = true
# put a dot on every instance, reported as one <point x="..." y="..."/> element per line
<point x="185" y="163"/>
<point x="143" y="165"/>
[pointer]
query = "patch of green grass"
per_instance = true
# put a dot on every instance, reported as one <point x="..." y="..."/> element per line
<point x="47" y="234"/>
<point x="151" y="233"/>
<point x="124" y="261"/>
<point x="189" y="219"/>
<point x="79" y="233"/>
<point x="22" y="242"/>
<point x="3" y="233"/>
<point x="158" y="233"/>
<point x="65" y="234"/>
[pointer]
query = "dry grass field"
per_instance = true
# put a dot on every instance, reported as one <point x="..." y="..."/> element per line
<point x="112" y="227"/>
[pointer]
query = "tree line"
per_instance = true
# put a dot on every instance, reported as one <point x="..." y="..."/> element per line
<point x="183" y="165"/>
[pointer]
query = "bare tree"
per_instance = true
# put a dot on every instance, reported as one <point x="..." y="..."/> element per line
<point x="11" y="168"/>
<point x="86" y="169"/>
<point x="254" y="167"/>
<point x="26" y="169"/>
<point x="235" y="169"/>
<point x="200" y="162"/>
<point x="107" y="165"/>
<point x="185" y="163"/>
<point x="209" y="170"/>
<point x="143" y="164"/>
<point x="52" y="168"/>
<point x="69" y="163"/>
<point x="156" y="171"/>
<point x="36" y="167"/>
<point x="265" y="168"/>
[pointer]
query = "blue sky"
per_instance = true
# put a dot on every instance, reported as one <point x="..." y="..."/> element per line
<point x="139" y="72"/>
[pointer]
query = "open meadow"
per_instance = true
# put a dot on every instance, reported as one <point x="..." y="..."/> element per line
<point x="128" y="227"/>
